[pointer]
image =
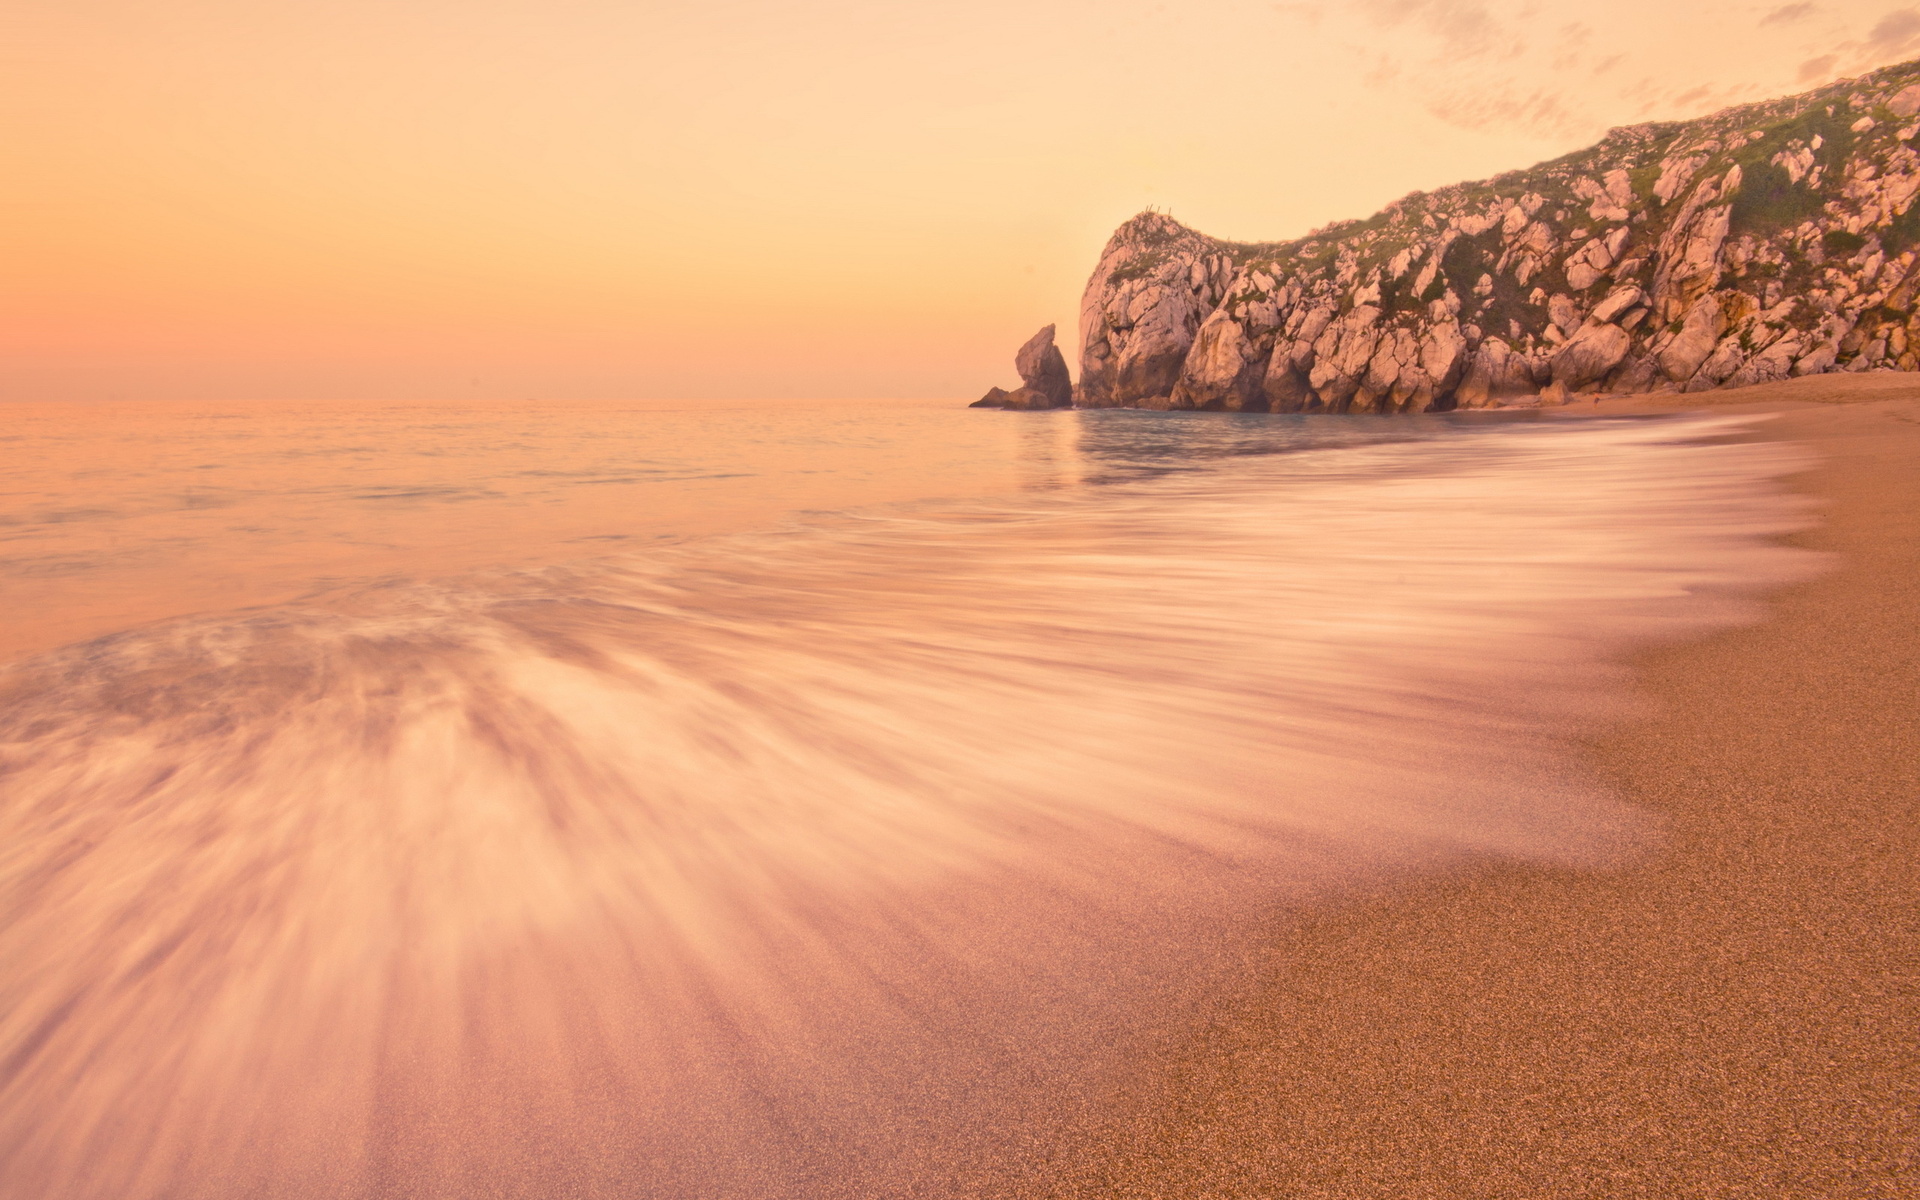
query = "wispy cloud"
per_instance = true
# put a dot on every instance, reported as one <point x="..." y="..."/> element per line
<point x="1553" y="70"/>
<point x="1465" y="26"/>
<point x="1895" y="34"/>
<point x="1786" y="14"/>
<point x="1542" y="110"/>
<point x="1815" y="69"/>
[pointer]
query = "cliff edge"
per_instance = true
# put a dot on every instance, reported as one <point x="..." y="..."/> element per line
<point x="1765" y="241"/>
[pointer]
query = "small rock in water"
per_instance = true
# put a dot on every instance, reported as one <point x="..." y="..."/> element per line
<point x="995" y="398"/>
<point x="1027" y="399"/>
<point x="1044" y="370"/>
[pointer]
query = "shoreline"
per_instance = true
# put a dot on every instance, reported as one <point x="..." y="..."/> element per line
<point x="1737" y="1013"/>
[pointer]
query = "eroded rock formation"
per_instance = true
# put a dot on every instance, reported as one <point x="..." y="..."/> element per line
<point x="1044" y="369"/>
<point x="1765" y="241"/>
<point x="1043" y="376"/>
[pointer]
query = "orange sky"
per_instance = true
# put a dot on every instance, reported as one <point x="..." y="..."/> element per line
<point x="583" y="198"/>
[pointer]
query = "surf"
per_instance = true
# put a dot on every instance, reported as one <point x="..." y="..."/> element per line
<point x="849" y="858"/>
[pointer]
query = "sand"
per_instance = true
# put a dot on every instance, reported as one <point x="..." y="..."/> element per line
<point x="1736" y="1013"/>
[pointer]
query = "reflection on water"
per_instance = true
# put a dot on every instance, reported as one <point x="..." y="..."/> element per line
<point x="114" y="514"/>
<point x="841" y="860"/>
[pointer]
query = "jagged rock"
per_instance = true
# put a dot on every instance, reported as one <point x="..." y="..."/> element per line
<point x="1218" y="371"/>
<point x="1157" y="280"/>
<point x="1618" y="302"/>
<point x="1675" y="173"/>
<point x="1496" y="376"/>
<point x="995" y="398"/>
<point x="1563" y="314"/>
<point x="1443" y="355"/>
<point x="1699" y="334"/>
<point x="1689" y="252"/>
<point x="1044" y="369"/>
<point x="1590" y="355"/>
<point x="1774" y="362"/>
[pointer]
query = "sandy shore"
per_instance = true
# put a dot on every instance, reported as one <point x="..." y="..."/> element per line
<point x="1736" y="1014"/>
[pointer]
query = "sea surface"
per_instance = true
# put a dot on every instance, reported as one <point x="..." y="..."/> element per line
<point x="437" y="800"/>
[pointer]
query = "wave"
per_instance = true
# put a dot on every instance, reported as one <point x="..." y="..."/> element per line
<point x="853" y="859"/>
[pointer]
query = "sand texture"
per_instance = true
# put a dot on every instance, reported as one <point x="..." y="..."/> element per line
<point x="1737" y="1013"/>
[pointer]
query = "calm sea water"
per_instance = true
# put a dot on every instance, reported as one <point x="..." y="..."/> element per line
<point x="780" y="801"/>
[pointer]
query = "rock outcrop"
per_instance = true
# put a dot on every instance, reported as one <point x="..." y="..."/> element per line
<point x="1761" y="242"/>
<point x="1043" y="375"/>
<point x="1043" y="369"/>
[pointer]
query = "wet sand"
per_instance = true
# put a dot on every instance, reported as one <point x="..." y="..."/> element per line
<point x="1735" y="1014"/>
<point x="1731" y="1014"/>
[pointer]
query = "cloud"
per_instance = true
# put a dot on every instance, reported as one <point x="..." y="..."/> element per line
<point x="1894" y="34"/>
<point x="1818" y="68"/>
<point x="1788" y="13"/>
<point x="1384" y="71"/>
<point x="1482" y="64"/>
<point x="1425" y="48"/>
<point x="1466" y="26"/>
<point x="1541" y="111"/>
<point x="1571" y="51"/>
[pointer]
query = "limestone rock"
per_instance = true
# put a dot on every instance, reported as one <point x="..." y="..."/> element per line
<point x="1590" y="354"/>
<point x="995" y="398"/>
<point x="1694" y="343"/>
<point x="1765" y="241"/>
<point x="1617" y="303"/>
<point x="1156" y="281"/>
<point x="1044" y="369"/>
<point x="1221" y="370"/>
<point x="1496" y="376"/>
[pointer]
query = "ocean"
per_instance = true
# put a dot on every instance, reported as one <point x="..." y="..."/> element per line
<point x="775" y="800"/>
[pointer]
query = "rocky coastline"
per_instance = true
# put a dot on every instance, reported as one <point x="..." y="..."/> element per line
<point x="1763" y="242"/>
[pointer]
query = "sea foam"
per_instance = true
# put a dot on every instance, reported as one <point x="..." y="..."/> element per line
<point x="846" y="860"/>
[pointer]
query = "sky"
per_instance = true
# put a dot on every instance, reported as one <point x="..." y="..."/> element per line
<point x="500" y="199"/>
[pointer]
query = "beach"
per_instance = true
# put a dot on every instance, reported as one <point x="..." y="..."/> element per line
<point x="1736" y="1012"/>
<point x="1209" y="805"/>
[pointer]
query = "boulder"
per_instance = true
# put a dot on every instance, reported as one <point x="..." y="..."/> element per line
<point x="1286" y="387"/>
<point x="995" y="398"/>
<point x="1618" y="302"/>
<point x="1495" y="376"/>
<point x="1596" y="349"/>
<point x="1220" y="371"/>
<point x="1699" y="334"/>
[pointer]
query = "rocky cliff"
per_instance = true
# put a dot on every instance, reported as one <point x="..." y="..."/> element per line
<point x="1765" y="241"/>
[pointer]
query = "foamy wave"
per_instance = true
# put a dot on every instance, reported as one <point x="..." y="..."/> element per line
<point x="834" y="862"/>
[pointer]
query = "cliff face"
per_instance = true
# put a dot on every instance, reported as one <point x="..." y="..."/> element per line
<point x="1764" y="241"/>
